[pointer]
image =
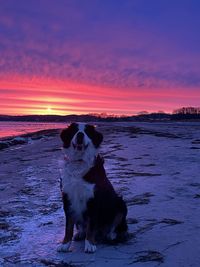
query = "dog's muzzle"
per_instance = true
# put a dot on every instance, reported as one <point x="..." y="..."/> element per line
<point x="79" y="142"/>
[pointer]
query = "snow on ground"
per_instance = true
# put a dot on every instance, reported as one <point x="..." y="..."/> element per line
<point x="155" y="166"/>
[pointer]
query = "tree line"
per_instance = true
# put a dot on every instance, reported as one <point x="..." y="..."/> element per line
<point x="187" y="113"/>
<point x="187" y="110"/>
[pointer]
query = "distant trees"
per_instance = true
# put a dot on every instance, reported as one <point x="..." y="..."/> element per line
<point x="187" y="110"/>
<point x="187" y="113"/>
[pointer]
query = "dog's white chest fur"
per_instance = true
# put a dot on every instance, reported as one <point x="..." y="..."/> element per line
<point x="77" y="190"/>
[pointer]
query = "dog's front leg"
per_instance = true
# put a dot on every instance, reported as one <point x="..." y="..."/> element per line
<point x="66" y="243"/>
<point x="81" y="232"/>
<point x="90" y="246"/>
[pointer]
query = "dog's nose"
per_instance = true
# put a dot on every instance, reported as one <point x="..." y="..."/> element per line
<point x="79" y="138"/>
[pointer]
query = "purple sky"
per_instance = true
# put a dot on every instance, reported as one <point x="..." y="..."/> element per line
<point x="144" y="53"/>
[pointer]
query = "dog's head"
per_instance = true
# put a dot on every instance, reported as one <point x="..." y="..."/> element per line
<point x="81" y="139"/>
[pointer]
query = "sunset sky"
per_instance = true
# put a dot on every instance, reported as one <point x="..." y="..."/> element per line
<point x="93" y="56"/>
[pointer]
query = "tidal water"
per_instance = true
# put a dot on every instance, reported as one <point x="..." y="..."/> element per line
<point x="13" y="128"/>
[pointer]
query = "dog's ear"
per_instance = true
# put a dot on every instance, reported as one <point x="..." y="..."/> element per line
<point x="97" y="139"/>
<point x="94" y="135"/>
<point x="68" y="133"/>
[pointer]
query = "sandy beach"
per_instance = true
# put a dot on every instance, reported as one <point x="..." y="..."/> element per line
<point x="155" y="166"/>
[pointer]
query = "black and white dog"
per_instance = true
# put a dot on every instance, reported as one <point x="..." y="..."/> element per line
<point x="90" y="201"/>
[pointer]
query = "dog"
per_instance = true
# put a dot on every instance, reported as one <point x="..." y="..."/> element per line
<point x="89" y="199"/>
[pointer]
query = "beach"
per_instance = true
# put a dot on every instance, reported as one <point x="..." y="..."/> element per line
<point x="154" y="166"/>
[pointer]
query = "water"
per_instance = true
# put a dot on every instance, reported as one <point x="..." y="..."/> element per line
<point x="14" y="128"/>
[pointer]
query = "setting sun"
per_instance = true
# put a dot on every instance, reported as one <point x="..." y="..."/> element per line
<point x="49" y="110"/>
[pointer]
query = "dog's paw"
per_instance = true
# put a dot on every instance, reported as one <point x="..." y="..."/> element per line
<point x="79" y="236"/>
<point x="89" y="247"/>
<point x="64" y="247"/>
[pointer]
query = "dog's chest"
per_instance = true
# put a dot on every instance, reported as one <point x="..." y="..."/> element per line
<point x="78" y="192"/>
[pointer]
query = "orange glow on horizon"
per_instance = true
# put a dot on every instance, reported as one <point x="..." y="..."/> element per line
<point x="25" y="96"/>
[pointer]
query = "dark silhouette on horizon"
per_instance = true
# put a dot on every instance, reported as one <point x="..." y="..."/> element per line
<point x="184" y="113"/>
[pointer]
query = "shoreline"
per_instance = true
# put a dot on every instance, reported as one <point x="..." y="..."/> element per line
<point x="22" y="139"/>
<point x="145" y="128"/>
